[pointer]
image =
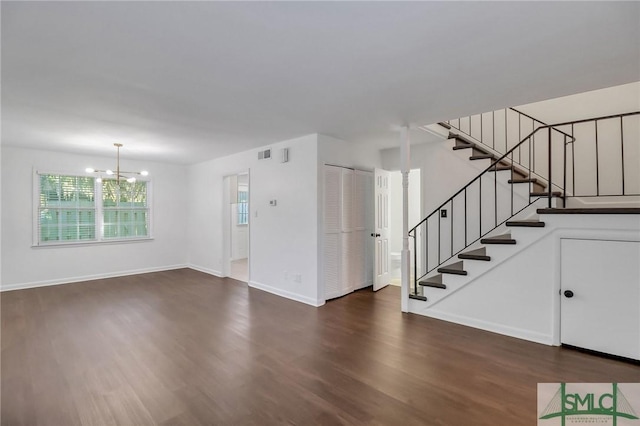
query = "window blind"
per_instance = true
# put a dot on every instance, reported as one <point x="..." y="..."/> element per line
<point x="67" y="208"/>
<point x="81" y="209"/>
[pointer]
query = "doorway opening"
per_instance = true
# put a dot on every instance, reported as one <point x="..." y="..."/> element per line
<point x="238" y="226"/>
<point x="395" y="218"/>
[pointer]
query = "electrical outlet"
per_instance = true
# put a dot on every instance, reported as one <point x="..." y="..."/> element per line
<point x="297" y="278"/>
<point x="443" y="213"/>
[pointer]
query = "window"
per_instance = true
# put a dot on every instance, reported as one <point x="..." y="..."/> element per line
<point x="125" y="213"/>
<point x="67" y="208"/>
<point x="77" y="209"/>
<point x="243" y="207"/>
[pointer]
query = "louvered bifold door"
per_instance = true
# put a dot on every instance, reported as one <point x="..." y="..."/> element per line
<point x="361" y="186"/>
<point x="332" y="231"/>
<point x="348" y="258"/>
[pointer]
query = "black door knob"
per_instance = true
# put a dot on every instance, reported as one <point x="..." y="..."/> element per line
<point x="568" y="294"/>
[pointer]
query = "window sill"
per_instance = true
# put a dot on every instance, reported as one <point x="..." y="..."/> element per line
<point x="91" y="243"/>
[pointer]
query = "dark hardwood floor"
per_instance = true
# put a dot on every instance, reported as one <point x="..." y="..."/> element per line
<point x="185" y="348"/>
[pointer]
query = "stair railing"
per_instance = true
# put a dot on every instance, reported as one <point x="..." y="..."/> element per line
<point x="486" y="195"/>
<point x="543" y="162"/>
<point x="496" y="129"/>
<point x="597" y="165"/>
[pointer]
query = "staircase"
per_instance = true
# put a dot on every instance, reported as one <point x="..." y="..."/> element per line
<point x="541" y="170"/>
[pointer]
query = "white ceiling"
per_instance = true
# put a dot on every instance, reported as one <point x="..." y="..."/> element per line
<point x="183" y="82"/>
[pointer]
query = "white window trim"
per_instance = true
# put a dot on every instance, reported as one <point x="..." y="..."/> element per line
<point x="98" y="217"/>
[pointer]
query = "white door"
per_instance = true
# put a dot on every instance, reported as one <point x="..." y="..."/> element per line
<point x="381" y="229"/>
<point x="600" y="296"/>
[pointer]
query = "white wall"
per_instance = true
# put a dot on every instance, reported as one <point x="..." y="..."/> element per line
<point x="25" y="266"/>
<point x="596" y="103"/>
<point x="1" y="281"/>
<point x="339" y="152"/>
<point x="284" y="238"/>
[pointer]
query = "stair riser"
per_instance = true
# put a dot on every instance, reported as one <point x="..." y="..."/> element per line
<point x="453" y="281"/>
<point x="498" y="252"/>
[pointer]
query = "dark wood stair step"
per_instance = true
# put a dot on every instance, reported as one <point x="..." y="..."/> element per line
<point x="546" y="194"/>
<point x="454" y="268"/>
<point x="526" y="223"/>
<point x="417" y="294"/>
<point x="445" y="125"/>
<point x="482" y="157"/>
<point x="500" y="239"/>
<point x="417" y="297"/>
<point x="478" y="254"/>
<point x="434" y="281"/>
<point x="593" y="210"/>
<point x="528" y="180"/>
<point x="500" y="167"/>
<point x="459" y="145"/>
<point x="516" y="171"/>
<point x="462" y="142"/>
<point x="535" y="185"/>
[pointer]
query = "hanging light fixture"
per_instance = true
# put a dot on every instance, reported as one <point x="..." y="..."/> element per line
<point x="119" y="174"/>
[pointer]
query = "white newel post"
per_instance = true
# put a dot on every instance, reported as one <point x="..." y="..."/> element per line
<point x="406" y="260"/>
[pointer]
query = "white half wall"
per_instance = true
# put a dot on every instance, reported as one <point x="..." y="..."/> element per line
<point x="26" y="266"/>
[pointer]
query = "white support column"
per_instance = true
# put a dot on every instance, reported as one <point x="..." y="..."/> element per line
<point x="406" y="259"/>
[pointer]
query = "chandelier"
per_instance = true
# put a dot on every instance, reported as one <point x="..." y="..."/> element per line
<point x="119" y="174"/>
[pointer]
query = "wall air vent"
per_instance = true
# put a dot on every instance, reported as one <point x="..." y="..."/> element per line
<point x="264" y="155"/>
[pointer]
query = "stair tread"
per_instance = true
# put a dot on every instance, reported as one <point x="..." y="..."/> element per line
<point x="546" y="194"/>
<point x="462" y="146"/>
<point x="477" y="254"/>
<point x="417" y="297"/>
<point x="482" y="157"/>
<point x="516" y="170"/>
<point x="499" y="239"/>
<point x="445" y="125"/>
<point x="592" y="210"/>
<point x="434" y="281"/>
<point x="454" y="268"/>
<point x="526" y="180"/>
<point x="526" y="223"/>
<point x="461" y="138"/>
<point x="538" y="186"/>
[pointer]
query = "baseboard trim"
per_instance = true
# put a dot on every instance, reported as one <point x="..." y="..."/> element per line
<point x="286" y="294"/>
<point x="532" y="336"/>
<point x="206" y="270"/>
<point x="70" y="280"/>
